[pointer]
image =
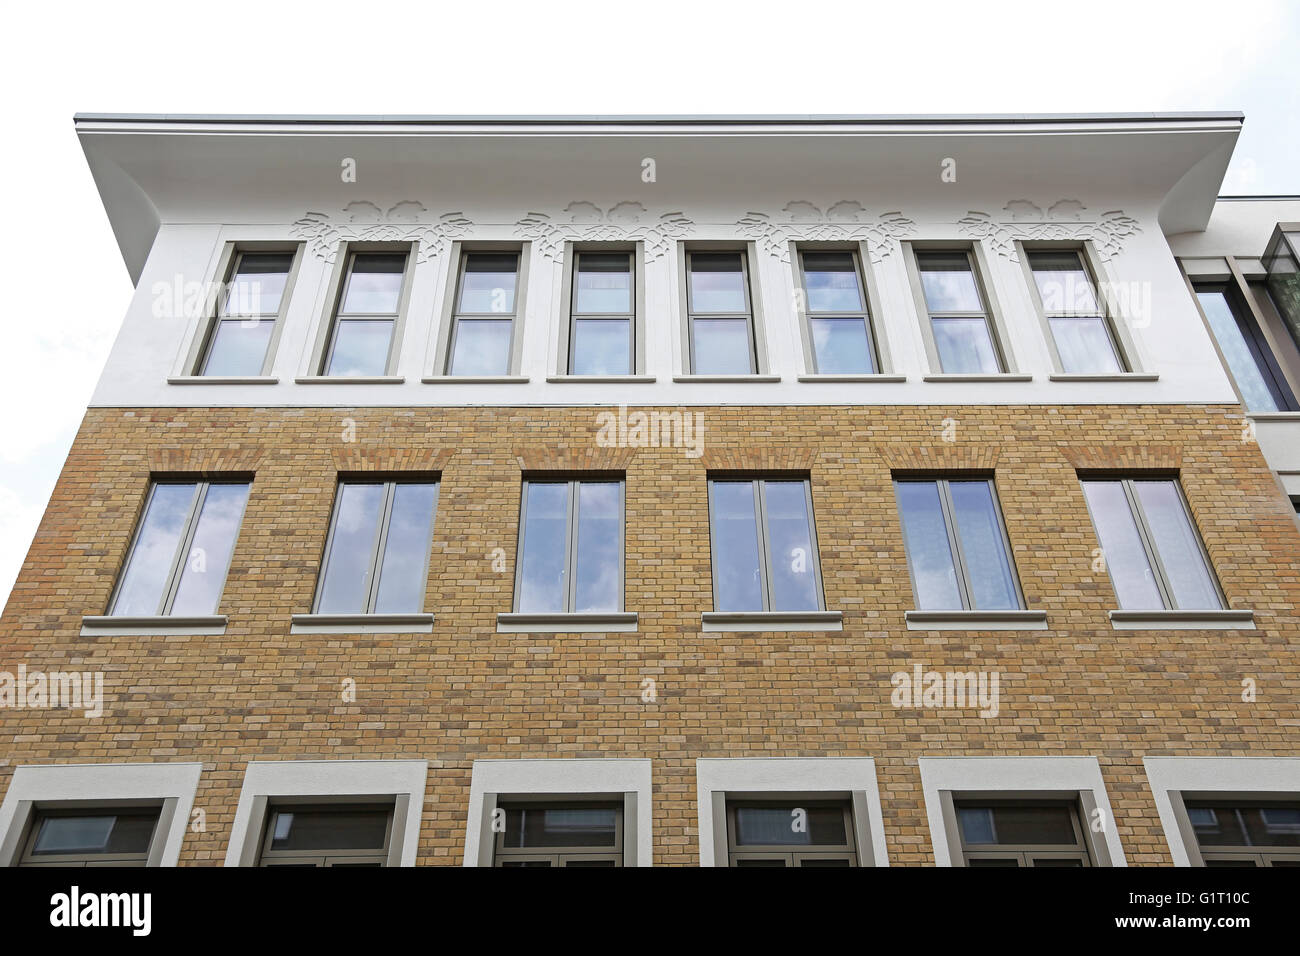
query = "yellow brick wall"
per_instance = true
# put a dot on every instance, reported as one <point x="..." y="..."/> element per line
<point x="466" y="692"/>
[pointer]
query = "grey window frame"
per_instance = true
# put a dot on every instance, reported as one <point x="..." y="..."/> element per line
<point x="992" y="321"/>
<point x="184" y="543"/>
<point x="339" y="282"/>
<point x="792" y="856"/>
<point x="560" y="856"/>
<point x="1023" y="852"/>
<point x="1257" y="344"/>
<point x="1154" y="561"/>
<point x="457" y="316"/>
<point x="764" y="539"/>
<point x="571" y="534"/>
<point x="393" y="317"/>
<point x="41" y="812"/>
<point x="755" y="366"/>
<point x="635" y="318"/>
<point x="381" y="535"/>
<point x="954" y="540"/>
<point x="874" y="347"/>
<point x="1260" y="855"/>
<point x="1120" y="346"/>
<point x="322" y="858"/>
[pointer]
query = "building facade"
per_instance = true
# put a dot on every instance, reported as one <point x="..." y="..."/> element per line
<point x="790" y="491"/>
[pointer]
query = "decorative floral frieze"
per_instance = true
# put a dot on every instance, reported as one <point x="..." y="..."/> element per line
<point x="1064" y="219"/>
<point x="845" y="221"/>
<point x="583" y="221"/>
<point x="362" y="221"/>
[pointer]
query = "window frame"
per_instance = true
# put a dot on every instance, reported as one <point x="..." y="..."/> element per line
<point x="560" y="856"/>
<point x="1257" y="344"/>
<point x="792" y="855"/>
<point x="875" y="339"/>
<point x="757" y="358"/>
<point x="915" y="250"/>
<point x="42" y="811"/>
<point x="1120" y="344"/>
<point x="1023" y="852"/>
<point x="1260" y="855"/>
<point x="327" y="335"/>
<point x="571" y="537"/>
<point x="267" y="857"/>
<point x="573" y="252"/>
<point x="456" y="316"/>
<point x="758" y="482"/>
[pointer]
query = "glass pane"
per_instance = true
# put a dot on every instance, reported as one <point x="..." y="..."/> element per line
<point x="780" y="863"/>
<point x="1284" y="281"/>
<point x="722" y="347"/>
<point x="1177" y="544"/>
<point x="829" y="862"/>
<point x="929" y="555"/>
<point x="329" y="829"/>
<point x="1126" y="559"/>
<point x="602" y="347"/>
<point x="403" y="570"/>
<point x="95" y="833"/>
<point x="488" y="284"/>
<point x="831" y="281"/>
<point x="1055" y="861"/>
<point x="346" y="587"/>
<point x="793" y="561"/>
<point x="737" y="584"/>
<point x="603" y="283"/>
<point x="375" y="285"/>
<point x="965" y="346"/>
<point x="992" y="582"/>
<point x="1241" y="361"/>
<point x="948" y="283"/>
<point x="1008" y="861"/>
<point x="543" y="586"/>
<point x="787" y="826"/>
<point x="1084" y="345"/>
<point x="257" y="286"/>
<point x="560" y="826"/>
<point x="1063" y="285"/>
<point x="148" y="570"/>
<point x="361" y="347"/>
<point x="482" y="347"/>
<point x="842" y="346"/>
<point x="204" y="569"/>
<point x="717" y="282"/>
<point x="1011" y="825"/>
<point x="1219" y="825"/>
<point x="599" y="559"/>
<point x="239" y="347"/>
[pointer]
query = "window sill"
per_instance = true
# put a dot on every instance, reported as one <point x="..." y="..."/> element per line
<point x="1104" y="377"/>
<point x="164" y="624"/>
<point x="600" y="379"/>
<point x="223" y="380"/>
<point x="754" y="622"/>
<point x="621" y="622"/>
<point x="880" y="377"/>
<point x="726" y="378"/>
<point x="475" y="380"/>
<point x="963" y="377"/>
<point x="1177" y="620"/>
<point x="1274" y="416"/>
<point x="976" y="620"/>
<point x="361" y="624"/>
<point x="350" y="379"/>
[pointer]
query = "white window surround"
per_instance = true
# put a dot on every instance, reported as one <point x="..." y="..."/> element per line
<point x="493" y="779"/>
<point x="1171" y="778"/>
<point x="330" y="780"/>
<point x="1047" y="777"/>
<point x="777" y="777"/>
<point x="171" y="784"/>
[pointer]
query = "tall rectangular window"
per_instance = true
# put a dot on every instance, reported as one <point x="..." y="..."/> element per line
<point x="803" y="833"/>
<point x="361" y="341"/>
<point x="1151" y="548"/>
<point x="326" y="835"/>
<point x="764" y="545"/>
<point x="560" y="834"/>
<point x="839" y="325"/>
<point x="377" y="554"/>
<point x="570" y="547"/>
<point x="603" y="320"/>
<point x="958" y="313"/>
<point x="957" y="547"/>
<point x="1246" y="351"/>
<point x="483" y="321"/>
<point x="1242" y="833"/>
<point x="91" y="837"/>
<point x="720" y="313"/>
<point x="1080" y="328"/>
<point x="1021" y="833"/>
<point x="181" y="550"/>
<point x="239" y="339"/>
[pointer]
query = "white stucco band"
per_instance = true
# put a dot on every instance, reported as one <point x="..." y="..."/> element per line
<point x="173" y="784"/>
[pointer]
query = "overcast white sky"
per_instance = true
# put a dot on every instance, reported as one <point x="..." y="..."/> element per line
<point x="663" y="56"/>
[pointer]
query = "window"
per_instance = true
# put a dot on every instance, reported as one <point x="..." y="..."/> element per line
<point x="327" y="835"/>
<point x="959" y="316"/>
<point x="239" y="339"/>
<point x="361" y="340"/>
<point x="720" y="313"/>
<point x="791" y="833"/>
<point x="90" y="837"/>
<point x="839" y="326"/>
<point x="1084" y="340"/>
<point x="603" y="321"/>
<point x="764" y="545"/>
<point x="1021" y="833"/>
<point x="1249" y="359"/>
<point x="484" y="317"/>
<point x="1150" y="545"/>
<point x="561" y="834"/>
<point x="957" y="547"/>
<point x="181" y="551"/>
<point x="377" y="553"/>
<point x="1236" y="833"/>
<point x="570" y="547"/>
